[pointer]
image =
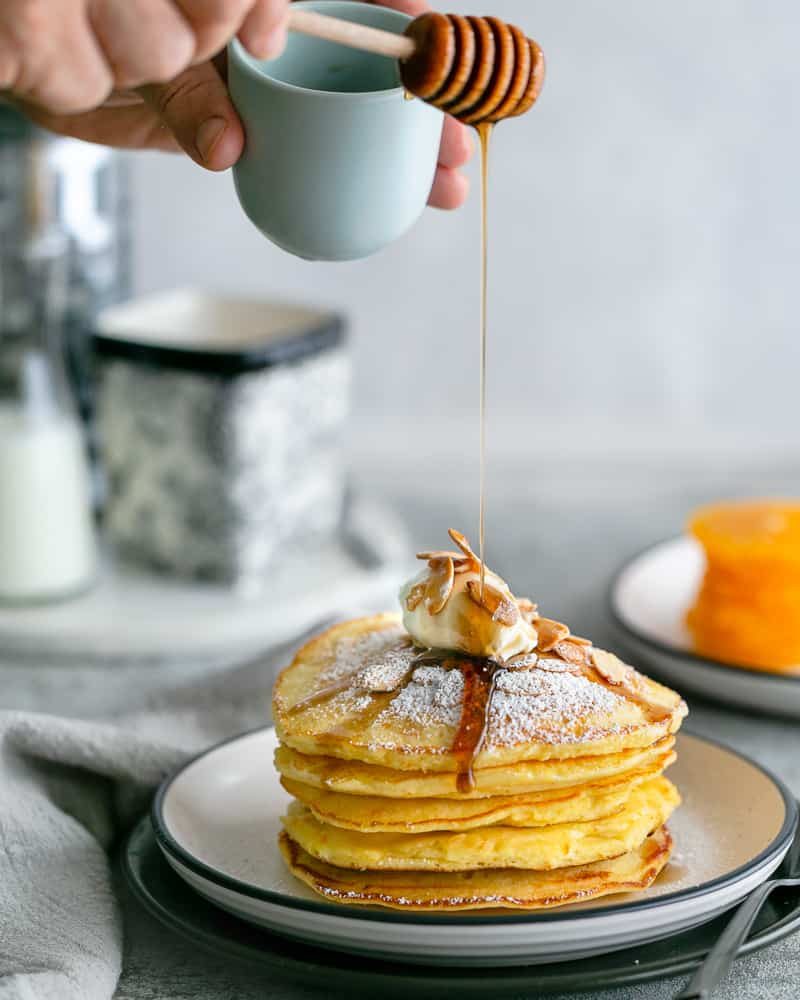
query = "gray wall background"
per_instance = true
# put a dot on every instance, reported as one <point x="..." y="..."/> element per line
<point x="644" y="258"/>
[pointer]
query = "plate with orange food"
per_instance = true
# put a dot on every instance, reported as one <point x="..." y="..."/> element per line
<point x="717" y="611"/>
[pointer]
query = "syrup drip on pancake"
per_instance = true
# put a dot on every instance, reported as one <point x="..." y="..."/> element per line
<point x="480" y="684"/>
<point x="480" y="678"/>
<point x="323" y="695"/>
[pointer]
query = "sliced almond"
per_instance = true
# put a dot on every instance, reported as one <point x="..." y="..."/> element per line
<point x="439" y="585"/>
<point x="463" y="544"/>
<point x="506" y="612"/>
<point x="550" y="632"/>
<point x="572" y="652"/>
<point x="611" y="668"/>
<point x="499" y="605"/>
<point x="474" y="591"/>
<point x="618" y="674"/>
<point x="438" y="554"/>
<point x="464" y="565"/>
<point x="659" y="702"/>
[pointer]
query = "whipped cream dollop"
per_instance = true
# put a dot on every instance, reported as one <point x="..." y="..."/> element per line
<point x="445" y="607"/>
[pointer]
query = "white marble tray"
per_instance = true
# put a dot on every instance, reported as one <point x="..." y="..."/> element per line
<point x="134" y="615"/>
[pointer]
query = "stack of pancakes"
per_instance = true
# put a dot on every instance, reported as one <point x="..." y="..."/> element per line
<point x="435" y="781"/>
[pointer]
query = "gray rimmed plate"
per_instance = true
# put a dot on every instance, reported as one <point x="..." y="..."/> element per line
<point x="648" y="600"/>
<point x="172" y="902"/>
<point x="216" y="822"/>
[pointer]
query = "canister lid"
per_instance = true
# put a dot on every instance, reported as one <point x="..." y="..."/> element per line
<point x="219" y="335"/>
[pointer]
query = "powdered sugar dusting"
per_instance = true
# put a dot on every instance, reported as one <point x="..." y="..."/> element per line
<point x="388" y="674"/>
<point x="352" y="653"/>
<point x="551" y="706"/>
<point x="432" y="697"/>
<point x="535" y="699"/>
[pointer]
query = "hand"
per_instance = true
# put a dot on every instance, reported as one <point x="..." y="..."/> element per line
<point x="148" y="74"/>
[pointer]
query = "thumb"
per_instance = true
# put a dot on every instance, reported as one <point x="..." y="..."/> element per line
<point x="196" y="108"/>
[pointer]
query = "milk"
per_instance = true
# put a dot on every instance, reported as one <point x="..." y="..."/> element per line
<point x="47" y="544"/>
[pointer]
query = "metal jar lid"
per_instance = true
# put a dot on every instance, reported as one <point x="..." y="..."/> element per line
<point x="193" y="331"/>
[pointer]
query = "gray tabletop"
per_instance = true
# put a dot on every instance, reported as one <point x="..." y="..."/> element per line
<point x="557" y="539"/>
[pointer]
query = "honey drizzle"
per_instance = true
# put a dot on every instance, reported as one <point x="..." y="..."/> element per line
<point x="480" y="678"/>
<point x="324" y="694"/>
<point x="484" y="131"/>
<point x="366" y="716"/>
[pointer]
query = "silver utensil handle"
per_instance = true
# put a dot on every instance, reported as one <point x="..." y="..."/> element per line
<point x="717" y="963"/>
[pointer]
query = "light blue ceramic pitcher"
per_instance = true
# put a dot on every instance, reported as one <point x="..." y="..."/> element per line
<point x="337" y="162"/>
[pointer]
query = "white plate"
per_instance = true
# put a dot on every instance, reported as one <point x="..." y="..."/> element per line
<point x="217" y="822"/>
<point x="649" y="598"/>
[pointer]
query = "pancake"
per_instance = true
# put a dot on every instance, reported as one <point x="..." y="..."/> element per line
<point x="362" y="691"/>
<point x="376" y="814"/>
<point x="489" y="888"/>
<point x="354" y="778"/>
<point x="648" y="807"/>
<point x="474" y="754"/>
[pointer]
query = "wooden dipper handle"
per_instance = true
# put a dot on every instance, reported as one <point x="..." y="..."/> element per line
<point x="351" y="34"/>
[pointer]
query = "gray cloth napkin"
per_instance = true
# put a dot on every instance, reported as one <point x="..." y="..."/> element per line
<point x="68" y="788"/>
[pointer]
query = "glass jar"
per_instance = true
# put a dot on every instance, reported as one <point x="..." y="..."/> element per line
<point x="87" y="197"/>
<point x="47" y="546"/>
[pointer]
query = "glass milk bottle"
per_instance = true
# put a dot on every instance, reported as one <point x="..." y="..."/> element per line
<point x="47" y="547"/>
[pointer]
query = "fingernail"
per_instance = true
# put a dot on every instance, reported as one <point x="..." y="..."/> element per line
<point x="208" y="135"/>
<point x="275" y="42"/>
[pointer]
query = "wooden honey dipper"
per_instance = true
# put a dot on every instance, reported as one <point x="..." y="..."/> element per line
<point x="478" y="69"/>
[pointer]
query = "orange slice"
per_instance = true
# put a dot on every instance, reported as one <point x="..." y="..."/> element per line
<point x="747" y="611"/>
